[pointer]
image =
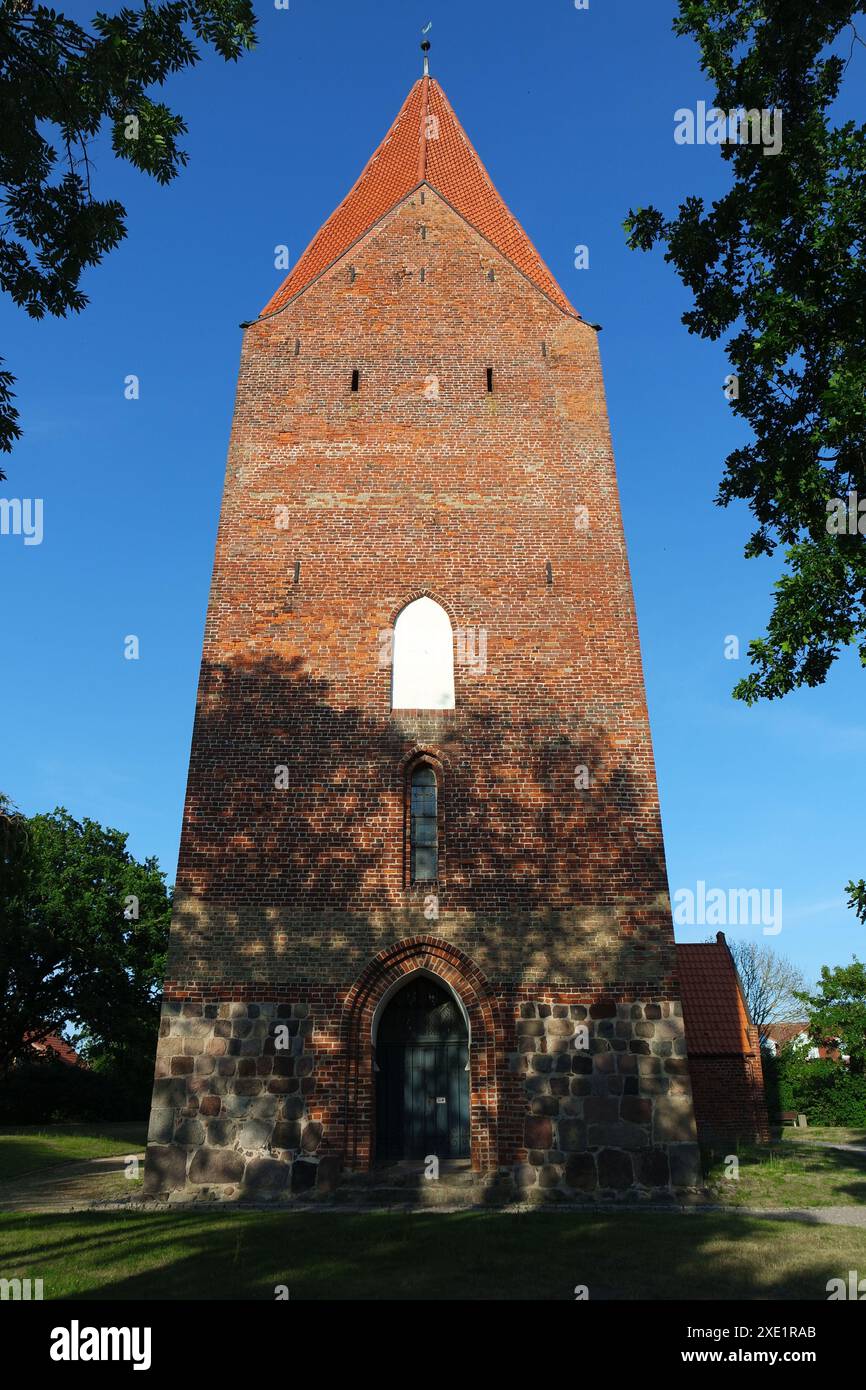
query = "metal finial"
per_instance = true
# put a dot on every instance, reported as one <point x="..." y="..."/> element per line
<point x="425" y="48"/>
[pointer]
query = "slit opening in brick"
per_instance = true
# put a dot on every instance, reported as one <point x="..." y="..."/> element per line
<point x="356" y="379"/>
<point x="489" y="380"/>
<point x="491" y="275"/>
<point x="351" y="275"/>
<point x="297" y="347"/>
<point x="423" y="274"/>
<point x="549" y="572"/>
<point x="297" y="571"/>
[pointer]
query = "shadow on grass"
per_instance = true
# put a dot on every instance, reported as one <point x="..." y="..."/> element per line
<point x="465" y="1256"/>
<point x="794" y="1174"/>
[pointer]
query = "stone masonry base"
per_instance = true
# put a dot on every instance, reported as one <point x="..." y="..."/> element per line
<point x="593" y="1101"/>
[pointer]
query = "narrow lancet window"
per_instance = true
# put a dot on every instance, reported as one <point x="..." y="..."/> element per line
<point x="424" y="826"/>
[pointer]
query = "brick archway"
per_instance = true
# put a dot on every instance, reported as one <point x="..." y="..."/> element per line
<point x="437" y="957"/>
<point x="424" y="592"/>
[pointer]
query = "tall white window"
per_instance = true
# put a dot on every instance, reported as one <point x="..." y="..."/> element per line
<point x="422" y="675"/>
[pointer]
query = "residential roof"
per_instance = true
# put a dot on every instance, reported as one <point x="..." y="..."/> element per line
<point x="714" y="1013"/>
<point x="785" y="1031"/>
<point x="57" y="1045"/>
<point x="425" y="145"/>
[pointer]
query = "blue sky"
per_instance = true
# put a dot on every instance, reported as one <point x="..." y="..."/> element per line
<point x="573" y="114"/>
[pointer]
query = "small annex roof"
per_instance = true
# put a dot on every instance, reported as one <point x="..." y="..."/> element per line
<point x="425" y="145"/>
<point x="714" y="1013"/>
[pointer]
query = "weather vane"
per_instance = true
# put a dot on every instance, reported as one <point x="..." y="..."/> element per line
<point x="425" y="48"/>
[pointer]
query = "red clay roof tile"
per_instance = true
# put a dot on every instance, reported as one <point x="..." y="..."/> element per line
<point x="426" y="144"/>
<point x="715" y="1017"/>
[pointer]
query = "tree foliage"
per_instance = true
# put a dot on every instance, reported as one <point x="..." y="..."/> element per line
<point x="780" y="259"/>
<point x="778" y="264"/>
<point x="823" y="1089"/>
<point x="83" y="933"/>
<point x="837" y="1012"/>
<point x="858" y="897"/>
<point x="60" y="83"/>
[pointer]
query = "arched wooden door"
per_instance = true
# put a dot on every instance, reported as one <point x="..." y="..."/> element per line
<point x="422" y="1077"/>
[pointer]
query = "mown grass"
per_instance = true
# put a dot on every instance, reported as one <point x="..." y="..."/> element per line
<point x="825" y="1134"/>
<point x="791" y="1173"/>
<point x="466" y="1256"/>
<point x="28" y="1149"/>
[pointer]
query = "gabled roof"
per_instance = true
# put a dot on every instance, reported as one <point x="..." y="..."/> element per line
<point x="58" y="1047"/>
<point x="425" y="145"/>
<point x="715" y="1016"/>
<point x="785" y="1032"/>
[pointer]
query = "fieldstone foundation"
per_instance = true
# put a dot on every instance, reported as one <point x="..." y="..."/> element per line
<point x="608" y="1100"/>
<point x="230" y="1104"/>
<point x="599" y="1104"/>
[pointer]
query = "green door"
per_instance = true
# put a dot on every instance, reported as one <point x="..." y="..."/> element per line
<point x="422" y="1080"/>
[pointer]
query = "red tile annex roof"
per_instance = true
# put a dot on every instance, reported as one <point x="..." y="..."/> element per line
<point x="425" y="145"/>
<point x="714" y="1014"/>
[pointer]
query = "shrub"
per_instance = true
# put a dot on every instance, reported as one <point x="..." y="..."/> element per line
<point x="51" y="1092"/>
<point x="823" y="1090"/>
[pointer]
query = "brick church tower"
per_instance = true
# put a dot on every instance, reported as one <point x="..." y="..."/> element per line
<point x="421" y="905"/>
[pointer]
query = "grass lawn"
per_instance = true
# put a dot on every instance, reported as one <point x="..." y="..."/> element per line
<point x="825" y="1134"/>
<point x="791" y="1173"/>
<point x="463" y="1255"/>
<point x="30" y="1148"/>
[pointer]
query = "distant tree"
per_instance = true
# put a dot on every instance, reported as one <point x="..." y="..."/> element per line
<point x="59" y="82"/>
<point x="83" y="933"/>
<point x="770" y="983"/>
<point x="778" y="262"/>
<point x="858" y="898"/>
<point x="837" y="1012"/>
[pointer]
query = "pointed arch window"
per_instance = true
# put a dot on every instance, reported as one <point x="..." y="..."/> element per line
<point x="422" y="675"/>
<point x="424" y="825"/>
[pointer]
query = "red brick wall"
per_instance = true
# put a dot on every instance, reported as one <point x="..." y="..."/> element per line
<point x="729" y="1096"/>
<point x="546" y="892"/>
<point x="388" y="495"/>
